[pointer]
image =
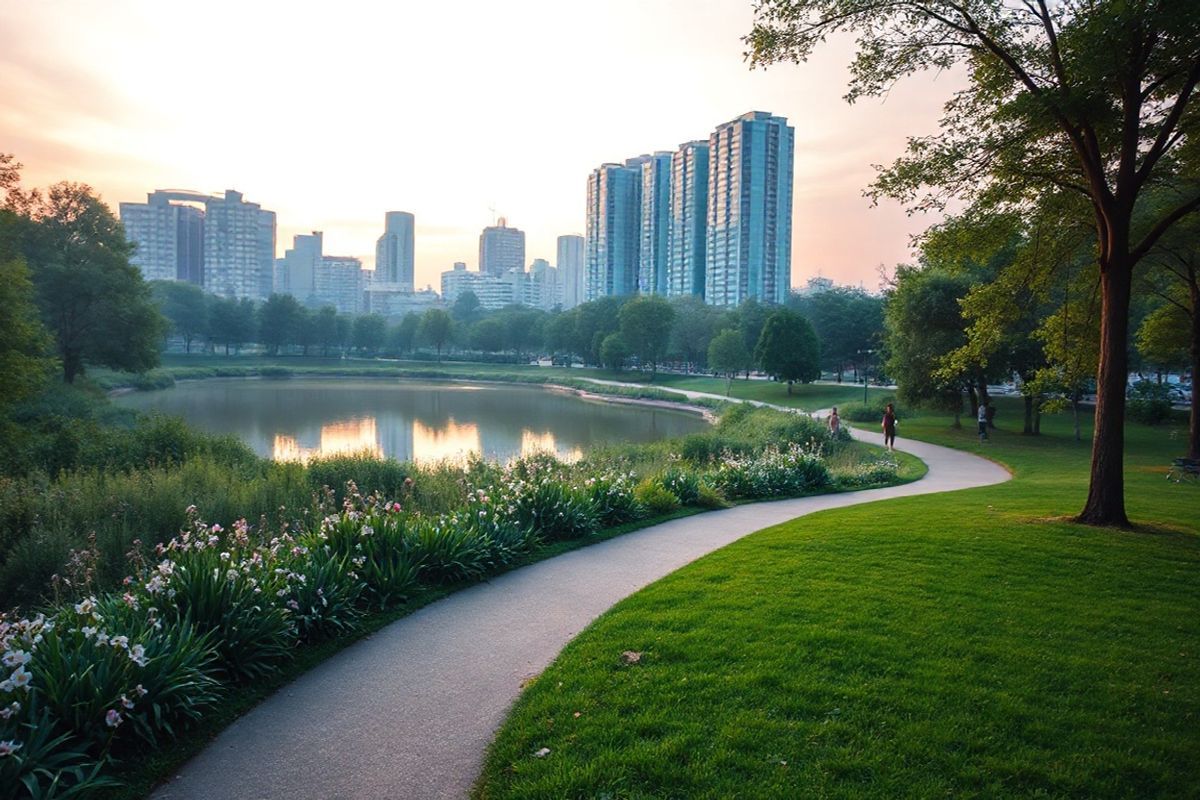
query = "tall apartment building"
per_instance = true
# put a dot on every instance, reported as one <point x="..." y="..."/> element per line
<point x="655" y="224"/>
<point x="239" y="247"/>
<point x="340" y="281"/>
<point x="571" y="270"/>
<point x="689" y="217"/>
<point x="501" y="248"/>
<point x="545" y="285"/>
<point x="168" y="231"/>
<point x="492" y="291"/>
<point x="749" y="236"/>
<point x="296" y="272"/>
<point x="614" y="228"/>
<point x="394" y="251"/>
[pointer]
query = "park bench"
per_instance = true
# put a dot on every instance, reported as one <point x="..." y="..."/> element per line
<point x="1184" y="469"/>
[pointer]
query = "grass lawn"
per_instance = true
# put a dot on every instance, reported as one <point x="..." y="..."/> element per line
<point x="968" y="644"/>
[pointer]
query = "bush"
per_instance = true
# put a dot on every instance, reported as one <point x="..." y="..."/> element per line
<point x="323" y="595"/>
<point x="870" y="473"/>
<point x="871" y="411"/>
<point x="447" y="550"/>
<point x="1149" y="403"/>
<point x="655" y="498"/>
<point x="773" y="473"/>
<point x="684" y="484"/>
<point x="379" y="548"/>
<point x="613" y="498"/>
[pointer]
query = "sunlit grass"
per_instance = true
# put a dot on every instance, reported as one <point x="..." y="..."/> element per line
<point x="972" y="643"/>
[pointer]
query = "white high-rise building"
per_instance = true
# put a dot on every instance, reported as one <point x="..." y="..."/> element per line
<point x="297" y="270"/>
<point x="689" y="218"/>
<point x="340" y="281"/>
<point x="168" y="233"/>
<point x="749" y="236"/>
<point x="395" y="251"/>
<point x="239" y="247"/>
<point x="571" y="272"/>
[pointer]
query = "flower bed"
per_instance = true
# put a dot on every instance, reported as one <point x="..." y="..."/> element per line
<point x="107" y="675"/>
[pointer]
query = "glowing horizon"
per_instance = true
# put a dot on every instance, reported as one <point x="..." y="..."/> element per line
<point x="332" y="117"/>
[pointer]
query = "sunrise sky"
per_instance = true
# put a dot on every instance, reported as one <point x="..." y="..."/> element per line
<point x="332" y="113"/>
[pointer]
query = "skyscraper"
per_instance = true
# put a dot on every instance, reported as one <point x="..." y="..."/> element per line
<point x="614" y="228"/>
<point x="689" y="216"/>
<point x="394" y="251"/>
<point x="655" y="224"/>
<point x="748" y="251"/>
<point x="501" y="248"/>
<point x="169" y="236"/>
<point x="570" y="266"/>
<point x="239" y="247"/>
<point x="298" y="267"/>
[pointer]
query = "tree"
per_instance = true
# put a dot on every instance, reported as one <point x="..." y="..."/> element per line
<point x="466" y="308"/>
<point x="614" y="351"/>
<point x="646" y="328"/>
<point x="749" y="318"/>
<point x="325" y="329"/>
<point x="559" y="332"/>
<point x="1094" y="99"/>
<point x="403" y="337"/>
<point x="436" y="329"/>
<point x="92" y="299"/>
<point x="186" y="308"/>
<point x="594" y="321"/>
<point x="788" y="350"/>
<point x="848" y="323"/>
<point x="277" y="320"/>
<point x="232" y="322"/>
<point x="487" y="335"/>
<point x="370" y="333"/>
<point x="24" y="343"/>
<point x="304" y="332"/>
<point x="522" y="327"/>
<point x="727" y="355"/>
<point x="694" y="327"/>
<point x="923" y="323"/>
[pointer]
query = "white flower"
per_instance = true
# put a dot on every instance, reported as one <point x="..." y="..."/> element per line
<point x="137" y="654"/>
<point x="119" y="641"/>
<point x="139" y="690"/>
<point x="6" y="685"/>
<point x="9" y="710"/>
<point x="87" y="632"/>
<point x="125" y="701"/>
<point x="113" y="718"/>
<point x="8" y="747"/>
<point x="101" y="639"/>
<point x="20" y="678"/>
<point x="231" y="575"/>
<point x="16" y="658"/>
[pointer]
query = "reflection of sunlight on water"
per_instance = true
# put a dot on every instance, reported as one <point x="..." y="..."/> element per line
<point x="351" y="436"/>
<point x="453" y="441"/>
<point x="533" y="442"/>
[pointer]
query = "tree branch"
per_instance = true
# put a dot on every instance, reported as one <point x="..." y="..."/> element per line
<point x="1162" y="227"/>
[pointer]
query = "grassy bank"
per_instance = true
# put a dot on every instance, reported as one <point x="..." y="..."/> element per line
<point x="970" y="644"/>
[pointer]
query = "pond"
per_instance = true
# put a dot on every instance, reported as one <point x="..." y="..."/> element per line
<point x="297" y="419"/>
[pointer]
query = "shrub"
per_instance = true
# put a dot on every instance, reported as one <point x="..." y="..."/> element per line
<point x="870" y="473"/>
<point x="708" y="497"/>
<point x="384" y="475"/>
<point x="613" y="498"/>
<point x="323" y="594"/>
<point x="655" y="498"/>
<point x="447" y="550"/>
<point x="45" y="763"/>
<point x="379" y="548"/>
<point x="1149" y="403"/>
<point x="772" y="473"/>
<point x="682" y="483"/>
<point x="871" y="411"/>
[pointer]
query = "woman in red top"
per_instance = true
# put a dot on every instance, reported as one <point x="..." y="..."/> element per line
<point x="889" y="427"/>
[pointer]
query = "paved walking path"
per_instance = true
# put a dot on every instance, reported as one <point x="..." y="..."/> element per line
<point x="408" y="712"/>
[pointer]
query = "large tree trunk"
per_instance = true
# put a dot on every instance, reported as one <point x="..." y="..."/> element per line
<point x="1028" y="429"/>
<point x="974" y="398"/>
<point x="72" y="365"/>
<point x="1106" y="492"/>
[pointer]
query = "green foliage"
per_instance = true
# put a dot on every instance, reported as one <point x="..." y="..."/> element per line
<point x="381" y="549"/>
<point x="727" y="355"/>
<point x="1164" y="338"/>
<point x="24" y="343"/>
<point x="92" y="299"/>
<point x="848" y="322"/>
<point x="488" y="335"/>
<point x="324" y="600"/>
<point x="233" y="323"/>
<point x="49" y="765"/>
<point x="370" y="333"/>
<point x="656" y="498"/>
<point x="436" y="328"/>
<point x="774" y="472"/>
<point x="279" y="319"/>
<point x="384" y="475"/>
<point x="614" y="351"/>
<point x="871" y="411"/>
<point x="646" y="328"/>
<point x="186" y="308"/>
<point x="1149" y="403"/>
<point x="788" y="350"/>
<point x="924" y="323"/>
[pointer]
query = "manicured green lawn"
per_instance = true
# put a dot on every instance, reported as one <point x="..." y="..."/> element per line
<point x="967" y="644"/>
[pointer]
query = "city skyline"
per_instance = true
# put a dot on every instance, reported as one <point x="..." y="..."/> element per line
<point x="81" y="108"/>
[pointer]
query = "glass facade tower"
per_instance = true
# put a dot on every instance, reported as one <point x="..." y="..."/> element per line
<point x="689" y="218"/>
<point x="613" y="235"/>
<point x="394" y="251"/>
<point x="749" y="236"/>
<point x="655" y="224"/>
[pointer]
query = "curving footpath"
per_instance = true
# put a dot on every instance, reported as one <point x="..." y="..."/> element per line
<point x="409" y="712"/>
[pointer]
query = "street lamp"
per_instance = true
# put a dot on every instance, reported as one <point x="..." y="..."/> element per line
<point x="867" y="353"/>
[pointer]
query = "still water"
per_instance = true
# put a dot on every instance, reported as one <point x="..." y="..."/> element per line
<point x="297" y="419"/>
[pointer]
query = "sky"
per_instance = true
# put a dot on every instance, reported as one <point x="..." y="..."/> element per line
<point x="332" y="113"/>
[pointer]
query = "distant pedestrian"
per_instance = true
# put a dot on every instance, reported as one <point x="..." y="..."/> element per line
<point x="835" y="422"/>
<point x="983" y="420"/>
<point x="889" y="427"/>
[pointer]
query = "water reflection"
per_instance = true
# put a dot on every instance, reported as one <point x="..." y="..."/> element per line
<point x="299" y="419"/>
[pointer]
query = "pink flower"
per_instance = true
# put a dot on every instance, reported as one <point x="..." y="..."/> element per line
<point x="113" y="718"/>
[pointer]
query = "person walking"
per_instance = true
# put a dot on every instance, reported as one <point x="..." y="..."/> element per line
<point x="983" y="421"/>
<point x="889" y="427"/>
<point x="835" y="422"/>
